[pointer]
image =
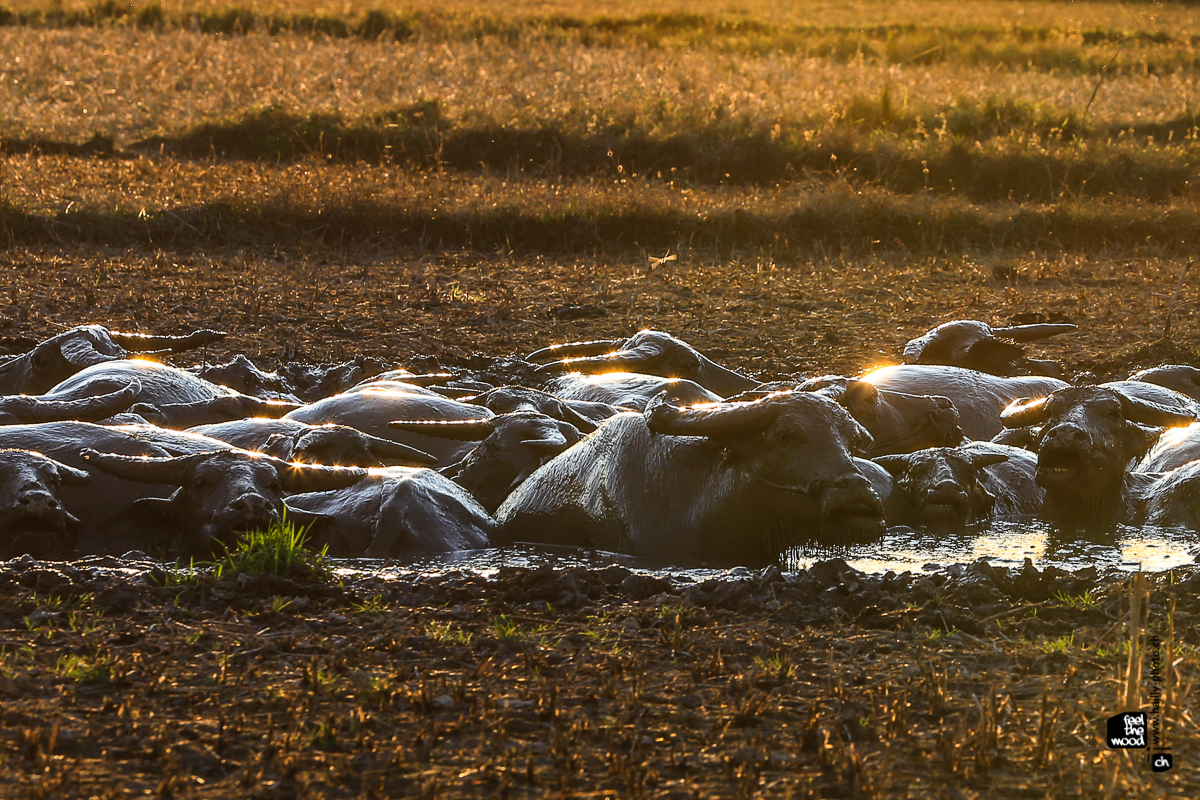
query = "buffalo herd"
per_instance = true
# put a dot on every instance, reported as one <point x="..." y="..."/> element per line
<point x="641" y="446"/>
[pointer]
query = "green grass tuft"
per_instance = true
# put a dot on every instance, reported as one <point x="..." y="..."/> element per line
<point x="281" y="550"/>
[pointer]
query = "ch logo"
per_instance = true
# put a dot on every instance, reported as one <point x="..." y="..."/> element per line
<point x="1127" y="730"/>
<point x="1161" y="762"/>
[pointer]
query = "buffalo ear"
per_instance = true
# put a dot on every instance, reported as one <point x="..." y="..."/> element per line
<point x="860" y="441"/>
<point x="859" y="394"/>
<point x="1143" y="438"/>
<point x="280" y="445"/>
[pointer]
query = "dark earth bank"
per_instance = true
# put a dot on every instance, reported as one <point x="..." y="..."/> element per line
<point x="122" y="678"/>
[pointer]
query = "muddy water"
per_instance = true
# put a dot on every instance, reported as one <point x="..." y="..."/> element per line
<point x="1005" y="544"/>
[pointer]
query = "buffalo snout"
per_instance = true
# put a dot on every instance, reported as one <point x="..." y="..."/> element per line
<point x="851" y="511"/>
<point x="252" y="511"/>
<point x="947" y="503"/>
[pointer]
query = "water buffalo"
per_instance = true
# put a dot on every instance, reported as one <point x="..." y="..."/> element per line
<point x="221" y="494"/>
<point x="330" y="443"/>
<point x="976" y="345"/>
<point x="1176" y="447"/>
<point x="646" y="352"/>
<point x="397" y="511"/>
<point x="627" y="390"/>
<point x="60" y="356"/>
<point x="510" y="399"/>
<point x="168" y="396"/>
<point x="104" y="495"/>
<point x="1179" y="377"/>
<point x="898" y="422"/>
<point x="511" y="446"/>
<point x="978" y="396"/>
<point x="1089" y="435"/>
<point x="33" y="520"/>
<point x="370" y="407"/>
<point x="241" y="375"/>
<point x="954" y="487"/>
<point x="312" y="382"/>
<point x="1172" y="498"/>
<point x="730" y="482"/>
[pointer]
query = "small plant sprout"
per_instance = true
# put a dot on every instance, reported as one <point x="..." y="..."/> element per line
<point x="446" y="633"/>
<point x="1079" y="602"/>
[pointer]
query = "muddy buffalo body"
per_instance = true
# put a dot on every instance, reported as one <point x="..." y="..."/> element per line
<point x="722" y="483"/>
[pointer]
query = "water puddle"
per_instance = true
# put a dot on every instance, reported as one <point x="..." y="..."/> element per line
<point x="1003" y="544"/>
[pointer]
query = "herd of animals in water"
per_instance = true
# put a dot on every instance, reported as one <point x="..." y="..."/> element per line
<point x="641" y="446"/>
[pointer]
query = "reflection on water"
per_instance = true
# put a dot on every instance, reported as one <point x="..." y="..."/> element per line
<point x="1009" y="543"/>
<point x="1005" y="544"/>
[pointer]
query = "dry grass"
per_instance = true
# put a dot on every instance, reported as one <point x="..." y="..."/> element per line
<point x="129" y="83"/>
<point x="1172" y="17"/>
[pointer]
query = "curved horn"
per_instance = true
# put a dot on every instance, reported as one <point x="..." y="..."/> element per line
<point x="630" y="360"/>
<point x="425" y="378"/>
<point x="707" y="419"/>
<point x="453" y="392"/>
<point x="85" y="409"/>
<point x="144" y="469"/>
<point x="387" y="450"/>
<point x="272" y="409"/>
<point x="1029" y="333"/>
<point x="146" y="343"/>
<point x="895" y="464"/>
<point x="1023" y="411"/>
<point x="557" y="352"/>
<point x="1147" y="413"/>
<point x="981" y="460"/>
<point x="297" y="478"/>
<point x="463" y="430"/>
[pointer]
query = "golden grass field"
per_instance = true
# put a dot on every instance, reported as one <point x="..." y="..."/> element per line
<point x="325" y="180"/>
<point x="1008" y="154"/>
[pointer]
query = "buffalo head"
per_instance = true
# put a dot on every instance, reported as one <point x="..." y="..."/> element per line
<point x="898" y="422"/>
<point x="343" y="446"/>
<point x="648" y="352"/>
<point x="32" y="518"/>
<point x="1088" y="437"/>
<point x="222" y="493"/>
<point x="511" y="447"/>
<point x="939" y="487"/>
<point x="796" y="443"/>
<point x="976" y="345"/>
<point x="59" y="357"/>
